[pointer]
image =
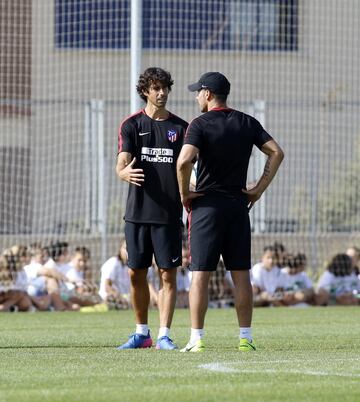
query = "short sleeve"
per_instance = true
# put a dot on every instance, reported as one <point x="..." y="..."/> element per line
<point x="283" y="281"/>
<point x="261" y="136"/>
<point x="32" y="270"/>
<point x="108" y="270"/>
<point x="194" y="134"/>
<point x="308" y="281"/>
<point x="325" y="281"/>
<point x="126" y="137"/>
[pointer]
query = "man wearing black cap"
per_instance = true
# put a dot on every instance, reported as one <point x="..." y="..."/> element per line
<point x="221" y="140"/>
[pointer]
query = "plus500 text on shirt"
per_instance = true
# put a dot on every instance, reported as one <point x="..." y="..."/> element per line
<point x="156" y="144"/>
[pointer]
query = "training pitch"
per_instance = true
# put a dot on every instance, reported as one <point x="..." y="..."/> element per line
<point x="310" y="354"/>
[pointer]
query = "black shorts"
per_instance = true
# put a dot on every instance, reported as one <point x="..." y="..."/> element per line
<point x="219" y="225"/>
<point x="144" y="240"/>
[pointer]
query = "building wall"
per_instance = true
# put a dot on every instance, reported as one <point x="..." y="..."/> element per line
<point x="311" y="96"/>
<point x="307" y="93"/>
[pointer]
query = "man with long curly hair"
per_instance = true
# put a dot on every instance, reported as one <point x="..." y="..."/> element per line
<point x="149" y="144"/>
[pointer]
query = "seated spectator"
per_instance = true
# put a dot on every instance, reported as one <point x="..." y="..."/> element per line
<point x="19" y="257"/>
<point x="299" y="289"/>
<point x="10" y="297"/>
<point x="338" y="284"/>
<point x="81" y="291"/>
<point x="22" y="258"/>
<point x="59" y="257"/>
<point x="36" y="279"/>
<point x="183" y="281"/>
<point x="56" y="267"/>
<point x="86" y="255"/>
<point x="267" y="280"/>
<point x="115" y="280"/>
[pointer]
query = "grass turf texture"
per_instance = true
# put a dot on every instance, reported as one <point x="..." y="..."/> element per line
<point x="303" y="355"/>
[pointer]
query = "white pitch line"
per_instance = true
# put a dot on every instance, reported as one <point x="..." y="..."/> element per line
<point x="222" y="367"/>
<point x="219" y="367"/>
<point x="280" y="361"/>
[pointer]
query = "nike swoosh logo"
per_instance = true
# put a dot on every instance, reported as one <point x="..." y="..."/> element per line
<point x="175" y="259"/>
<point x="141" y="134"/>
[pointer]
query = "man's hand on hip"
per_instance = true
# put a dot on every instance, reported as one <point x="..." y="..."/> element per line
<point x="187" y="199"/>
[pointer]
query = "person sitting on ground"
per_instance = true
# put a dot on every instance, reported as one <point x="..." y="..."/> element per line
<point x="115" y="280"/>
<point x="21" y="259"/>
<point x="58" y="262"/>
<point x="59" y="257"/>
<point x="10" y="297"/>
<point x="43" y="282"/>
<point x="88" y="271"/>
<point x="299" y="290"/>
<point x="35" y="272"/>
<point x="85" y="293"/>
<point x="338" y="284"/>
<point x="267" y="280"/>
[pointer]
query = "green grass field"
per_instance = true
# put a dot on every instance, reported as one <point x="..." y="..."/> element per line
<point x="303" y="355"/>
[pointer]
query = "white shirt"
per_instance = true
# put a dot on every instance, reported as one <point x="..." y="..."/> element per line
<point x="75" y="276"/>
<point x="21" y="281"/>
<point x="183" y="280"/>
<point x="153" y="277"/>
<point x="32" y="270"/>
<point x="267" y="281"/>
<point x="114" y="270"/>
<point x="63" y="268"/>
<point x="50" y="263"/>
<point x="337" y="285"/>
<point x="34" y="280"/>
<point x="299" y="281"/>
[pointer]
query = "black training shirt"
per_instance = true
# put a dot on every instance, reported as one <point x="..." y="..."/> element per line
<point x="225" y="138"/>
<point x="156" y="144"/>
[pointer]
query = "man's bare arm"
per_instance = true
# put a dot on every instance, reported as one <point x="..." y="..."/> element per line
<point x="275" y="156"/>
<point x="125" y="171"/>
<point x="183" y="169"/>
<point x="52" y="273"/>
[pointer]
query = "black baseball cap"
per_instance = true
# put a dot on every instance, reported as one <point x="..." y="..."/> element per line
<point x="214" y="82"/>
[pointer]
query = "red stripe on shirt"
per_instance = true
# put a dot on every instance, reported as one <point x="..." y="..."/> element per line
<point x="187" y="130"/>
<point x="189" y="233"/>
<point x="220" y="108"/>
<point x="120" y="143"/>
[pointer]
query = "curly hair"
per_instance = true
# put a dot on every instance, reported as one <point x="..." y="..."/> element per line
<point x="5" y="273"/>
<point x="149" y="77"/>
<point x="57" y="249"/>
<point x="340" y="265"/>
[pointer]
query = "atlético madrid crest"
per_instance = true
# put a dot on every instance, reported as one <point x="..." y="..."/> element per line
<point x="172" y="135"/>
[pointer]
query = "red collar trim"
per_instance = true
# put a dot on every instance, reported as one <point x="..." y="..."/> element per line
<point x="220" y="108"/>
